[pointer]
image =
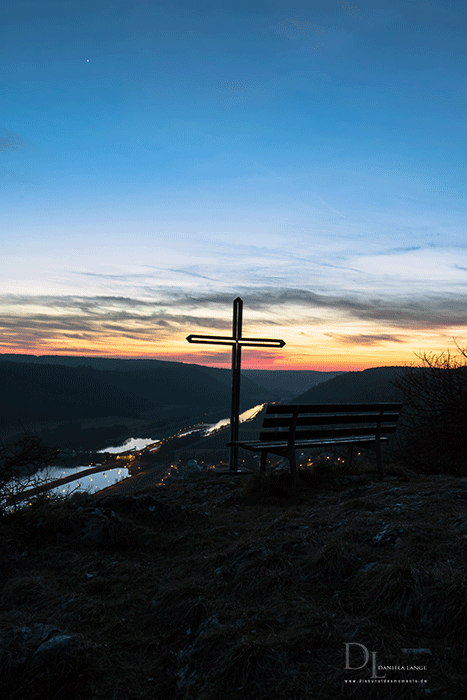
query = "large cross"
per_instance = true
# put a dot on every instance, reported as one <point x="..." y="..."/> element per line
<point x="237" y="342"/>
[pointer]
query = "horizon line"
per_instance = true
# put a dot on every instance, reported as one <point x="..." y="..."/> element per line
<point x="218" y="365"/>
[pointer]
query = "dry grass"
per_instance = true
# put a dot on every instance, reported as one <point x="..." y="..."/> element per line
<point x="251" y="591"/>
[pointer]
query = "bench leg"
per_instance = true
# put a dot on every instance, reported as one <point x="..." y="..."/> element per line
<point x="293" y="465"/>
<point x="379" y="460"/>
<point x="264" y="457"/>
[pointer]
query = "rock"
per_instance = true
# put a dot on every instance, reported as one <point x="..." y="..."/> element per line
<point x="59" y="647"/>
<point x="36" y="646"/>
<point x="93" y="531"/>
<point x="389" y="536"/>
<point x="163" y="512"/>
<point x="186" y="675"/>
<point x="194" y="474"/>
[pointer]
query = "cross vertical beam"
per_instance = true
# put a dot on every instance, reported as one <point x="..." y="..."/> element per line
<point x="236" y="369"/>
<point x="236" y="341"/>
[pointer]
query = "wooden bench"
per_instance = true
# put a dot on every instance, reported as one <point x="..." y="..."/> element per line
<point x="289" y="427"/>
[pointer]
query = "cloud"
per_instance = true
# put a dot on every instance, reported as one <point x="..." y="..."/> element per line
<point x="404" y="249"/>
<point x="416" y="312"/>
<point x="365" y="339"/>
<point x="192" y="274"/>
<point x="74" y="302"/>
<point x="412" y="313"/>
<point x="27" y="320"/>
<point x="150" y="274"/>
<point x="43" y="321"/>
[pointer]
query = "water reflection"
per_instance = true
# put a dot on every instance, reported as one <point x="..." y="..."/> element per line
<point x="244" y="417"/>
<point x="107" y="477"/>
<point x="130" y="444"/>
<point x="90" y="483"/>
<point x="204" y="428"/>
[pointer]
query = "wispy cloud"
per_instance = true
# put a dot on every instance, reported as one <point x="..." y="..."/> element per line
<point x="177" y="310"/>
<point x="405" y="249"/>
<point x="365" y="339"/>
<point x="414" y="313"/>
<point x="43" y="320"/>
<point x="190" y="273"/>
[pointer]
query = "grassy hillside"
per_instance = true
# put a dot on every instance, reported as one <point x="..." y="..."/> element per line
<point x="219" y="588"/>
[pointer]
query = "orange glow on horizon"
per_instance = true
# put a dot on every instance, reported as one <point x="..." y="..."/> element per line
<point x="319" y="352"/>
<point x="340" y="364"/>
<point x="333" y="342"/>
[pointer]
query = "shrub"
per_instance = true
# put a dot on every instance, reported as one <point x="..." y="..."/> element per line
<point x="18" y="462"/>
<point x="434" y="420"/>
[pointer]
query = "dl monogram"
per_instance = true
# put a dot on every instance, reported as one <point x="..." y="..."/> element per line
<point x="348" y="667"/>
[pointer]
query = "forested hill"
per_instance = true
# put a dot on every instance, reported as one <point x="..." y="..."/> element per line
<point x="275" y="384"/>
<point x="288" y="382"/>
<point x="77" y="401"/>
<point x="370" y="385"/>
<point x="32" y="391"/>
<point x="103" y="363"/>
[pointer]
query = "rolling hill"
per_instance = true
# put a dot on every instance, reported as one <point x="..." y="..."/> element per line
<point x="79" y="401"/>
<point x="369" y="385"/>
<point x="34" y="393"/>
<point x="30" y="391"/>
<point x="288" y="382"/>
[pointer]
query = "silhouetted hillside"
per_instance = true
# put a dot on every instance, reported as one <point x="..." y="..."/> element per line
<point x="374" y="384"/>
<point x="34" y="391"/>
<point x="177" y="381"/>
<point x="31" y="392"/>
<point x="103" y="363"/>
<point x="288" y="381"/>
<point x="53" y="394"/>
<point x="275" y="381"/>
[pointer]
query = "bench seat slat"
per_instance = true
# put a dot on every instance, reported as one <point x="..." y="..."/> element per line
<point x="333" y="408"/>
<point x="324" y="433"/>
<point x="259" y="446"/>
<point x="329" y="420"/>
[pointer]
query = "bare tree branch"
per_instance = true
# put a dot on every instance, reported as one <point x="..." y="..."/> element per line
<point x="434" y="421"/>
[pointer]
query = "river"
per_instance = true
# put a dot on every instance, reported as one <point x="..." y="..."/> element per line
<point x="107" y="477"/>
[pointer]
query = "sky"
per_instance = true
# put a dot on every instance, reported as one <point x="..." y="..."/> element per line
<point x="160" y="159"/>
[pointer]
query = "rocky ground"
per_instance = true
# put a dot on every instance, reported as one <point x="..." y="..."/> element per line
<point x="236" y="586"/>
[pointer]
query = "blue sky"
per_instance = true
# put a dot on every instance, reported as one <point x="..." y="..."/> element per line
<point x="159" y="159"/>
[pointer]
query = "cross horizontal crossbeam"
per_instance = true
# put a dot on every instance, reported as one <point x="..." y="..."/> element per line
<point x="223" y="340"/>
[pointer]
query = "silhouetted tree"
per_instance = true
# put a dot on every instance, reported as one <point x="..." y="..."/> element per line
<point x="434" y="420"/>
<point x="20" y="461"/>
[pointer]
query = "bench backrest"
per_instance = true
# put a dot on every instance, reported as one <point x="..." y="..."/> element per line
<point x="302" y="422"/>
